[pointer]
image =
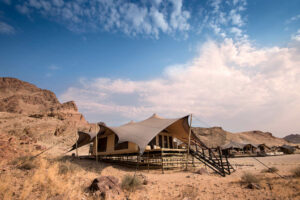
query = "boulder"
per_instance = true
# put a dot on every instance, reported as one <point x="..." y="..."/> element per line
<point x="104" y="186"/>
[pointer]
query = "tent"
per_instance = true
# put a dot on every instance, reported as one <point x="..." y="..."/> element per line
<point x="140" y="133"/>
<point x="233" y="145"/>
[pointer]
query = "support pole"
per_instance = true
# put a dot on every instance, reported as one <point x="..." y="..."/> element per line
<point x="97" y="148"/>
<point x="189" y="143"/>
<point x="148" y="161"/>
<point x="162" y="162"/>
<point x="77" y="148"/>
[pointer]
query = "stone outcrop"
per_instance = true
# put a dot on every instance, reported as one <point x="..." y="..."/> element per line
<point x="26" y="110"/>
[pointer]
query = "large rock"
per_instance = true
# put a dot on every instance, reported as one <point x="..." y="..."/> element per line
<point x="105" y="186"/>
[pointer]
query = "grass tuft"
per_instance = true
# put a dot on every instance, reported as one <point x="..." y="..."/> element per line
<point x="27" y="165"/>
<point x="270" y="170"/>
<point x="131" y="183"/>
<point x="296" y="171"/>
<point x="249" y="178"/>
<point x="67" y="167"/>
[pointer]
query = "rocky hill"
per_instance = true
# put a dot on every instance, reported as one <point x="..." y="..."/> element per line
<point x="293" y="138"/>
<point x="31" y="115"/>
<point x="216" y="136"/>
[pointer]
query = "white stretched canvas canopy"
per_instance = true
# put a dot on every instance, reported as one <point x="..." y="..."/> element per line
<point x="141" y="133"/>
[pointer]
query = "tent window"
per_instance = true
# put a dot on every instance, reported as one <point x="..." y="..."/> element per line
<point x="120" y="146"/>
<point x="165" y="141"/>
<point x="152" y="143"/>
<point x="171" y="142"/>
<point x="102" y="144"/>
<point x="160" y="140"/>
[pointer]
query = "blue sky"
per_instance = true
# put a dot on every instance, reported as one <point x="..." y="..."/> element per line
<point x="132" y="58"/>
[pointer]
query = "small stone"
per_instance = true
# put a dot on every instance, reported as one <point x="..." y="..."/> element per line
<point x="253" y="186"/>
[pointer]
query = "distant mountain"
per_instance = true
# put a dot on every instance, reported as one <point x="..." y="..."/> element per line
<point x="216" y="136"/>
<point x="293" y="138"/>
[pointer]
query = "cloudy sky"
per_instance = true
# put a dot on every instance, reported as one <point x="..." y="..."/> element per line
<point x="232" y="63"/>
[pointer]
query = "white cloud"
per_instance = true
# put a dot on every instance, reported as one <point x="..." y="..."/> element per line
<point x="6" y="28"/>
<point x="236" y="18"/>
<point x="296" y="37"/>
<point x="131" y="18"/>
<point x="236" y="31"/>
<point x="227" y="18"/>
<point x="293" y="19"/>
<point x="234" y="85"/>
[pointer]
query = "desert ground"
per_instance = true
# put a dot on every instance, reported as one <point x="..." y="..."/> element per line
<point x="50" y="176"/>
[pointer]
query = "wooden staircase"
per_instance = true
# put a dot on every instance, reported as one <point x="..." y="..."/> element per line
<point x="216" y="162"/>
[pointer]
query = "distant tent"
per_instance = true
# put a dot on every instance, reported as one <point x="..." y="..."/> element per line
<point x="287" y="149"/>
<point x="233" y="145"/>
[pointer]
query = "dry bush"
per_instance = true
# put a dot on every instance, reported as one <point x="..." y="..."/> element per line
<point x="20" y="160"/>
<point x="49" y="179"/>
<point x="24" y="162"/>
<point x="270" y="170"/>
<point x="131" y="183"/>
<point x="47" y="183"/>
<point x="189" y="192"/>
<point x="67" y="167"/>
<point x="249" y="178"/>
<point x="27" y="165"/>
<point x="296" y="171"/>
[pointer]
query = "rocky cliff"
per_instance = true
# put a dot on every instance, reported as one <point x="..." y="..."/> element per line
<point x="32" y="114"/>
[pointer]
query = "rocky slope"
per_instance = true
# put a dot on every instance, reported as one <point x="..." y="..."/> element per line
<point x="216" y="136"/>
<point x="33" y="115"/>
<point x="293" y="138"/>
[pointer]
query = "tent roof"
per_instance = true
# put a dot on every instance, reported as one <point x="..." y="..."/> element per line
<point x="83" y="139"/>
<point x="233" y="144"/>
<point x="236" y="145"/>
<point x="140" y="133"/>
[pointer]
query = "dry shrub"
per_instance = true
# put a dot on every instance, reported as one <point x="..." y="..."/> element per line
<point x="270" y="170"/>
<point x="20" y="160"/>
<point x="189" y="192"/>
<point x="47" y="183"/>
<point x="24" y="162"/>
<point x="249" y="178"/>
<point x="131" y="183"/>
<point x="296" y="171"/>
<point x="67" y="167"/>
<point x="27" y="165"/>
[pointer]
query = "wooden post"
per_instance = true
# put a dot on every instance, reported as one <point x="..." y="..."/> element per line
<point x="188" y="150"/>
<point x="148" y="161"/>
<point x="221" y="159"/>
<point x="162" y="162"/>
<point x="77" y="148"/>
<point x="97" y="148"/>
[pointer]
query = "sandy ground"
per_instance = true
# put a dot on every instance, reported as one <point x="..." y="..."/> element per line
<point x="178" y="185"/>
<point x="45" y="182"/>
